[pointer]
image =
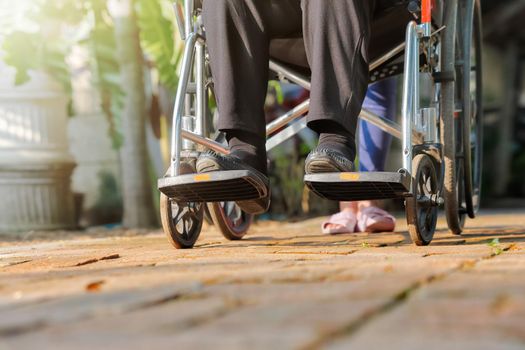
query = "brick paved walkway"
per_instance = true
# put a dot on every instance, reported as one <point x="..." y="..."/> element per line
<point x="284" y="287"/>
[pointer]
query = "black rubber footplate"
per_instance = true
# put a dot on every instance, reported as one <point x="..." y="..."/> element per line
<point x="359" y="186"/>
<point x="216" y="186"/>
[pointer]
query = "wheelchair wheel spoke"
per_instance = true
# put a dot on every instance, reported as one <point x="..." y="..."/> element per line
<point x="186" y="227"/>
<point x="178" y="212"/>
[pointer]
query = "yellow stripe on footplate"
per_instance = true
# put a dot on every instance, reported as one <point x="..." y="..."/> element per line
<point x="349" y="176"/>
<point x="202" y="177"/>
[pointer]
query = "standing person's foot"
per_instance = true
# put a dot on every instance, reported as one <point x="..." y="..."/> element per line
<point x="373" y="219"/>
<point x="343" y="222"/>
<point x="362" y="216"/>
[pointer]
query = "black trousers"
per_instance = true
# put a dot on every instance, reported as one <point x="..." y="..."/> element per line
<point x="336" y="35"/>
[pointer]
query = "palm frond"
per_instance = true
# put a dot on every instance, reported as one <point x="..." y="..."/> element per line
<point x="158" y="41"/>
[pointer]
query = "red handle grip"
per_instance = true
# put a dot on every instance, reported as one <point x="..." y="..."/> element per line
<point x="426" y="11"/>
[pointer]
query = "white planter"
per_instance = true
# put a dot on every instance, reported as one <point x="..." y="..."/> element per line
<point x="35" y="165"/>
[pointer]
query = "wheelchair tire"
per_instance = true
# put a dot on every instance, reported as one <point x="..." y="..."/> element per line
<point x="471" y="103"/>
<point x="422" y="215"/>
<point x="230" y="219"/>
<point x="182" y="222"/>
<point x="447" y="120"/>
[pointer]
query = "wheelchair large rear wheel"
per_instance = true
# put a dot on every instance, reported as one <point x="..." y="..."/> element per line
<point x="230" y="219"/>
<point x="447" y="117"/>
<point x="227" y="216"/>
<point x="470" y="94"/>
<point x="462" y="114"/>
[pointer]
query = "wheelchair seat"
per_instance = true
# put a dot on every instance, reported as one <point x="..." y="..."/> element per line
<point x="388" y="31"/>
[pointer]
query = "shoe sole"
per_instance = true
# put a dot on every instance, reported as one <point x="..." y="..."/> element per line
<point x="380" y="227"/>
<point x="323" y="165"/>
<point x="252" y="206"/>
<point x="208" y="164"/>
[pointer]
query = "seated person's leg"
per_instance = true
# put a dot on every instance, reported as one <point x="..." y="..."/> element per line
<point x="238" y="33"/>
<point x="238" y="48"/>
<point x="336" y="38"/>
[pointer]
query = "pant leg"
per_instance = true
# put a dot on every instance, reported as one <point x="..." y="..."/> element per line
<point x="336" y="35"/>
<point x="373" y="142"/>
<point x="238" y="33"/>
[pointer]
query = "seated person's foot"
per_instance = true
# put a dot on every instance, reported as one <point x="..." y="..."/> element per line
<point x="246" y="153"/>
<point x="334" y="153"/>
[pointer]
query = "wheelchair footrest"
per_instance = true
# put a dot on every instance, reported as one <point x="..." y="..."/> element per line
<point x="217" y="186"/>
<point x="356" y="186"/>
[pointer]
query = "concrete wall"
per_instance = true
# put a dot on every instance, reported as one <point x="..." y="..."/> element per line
<point x="91" y="145"/>
<point x="35" y="165"/>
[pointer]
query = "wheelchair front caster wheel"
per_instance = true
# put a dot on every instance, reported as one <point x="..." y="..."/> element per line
<point x="182" y="222"/>
<point x="422" y="207"/>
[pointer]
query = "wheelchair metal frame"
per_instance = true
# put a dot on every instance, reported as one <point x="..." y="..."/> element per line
<point x="418" y="127"/>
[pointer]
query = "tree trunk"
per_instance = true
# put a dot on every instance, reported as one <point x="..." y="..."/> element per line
<point x="139" y="210"/>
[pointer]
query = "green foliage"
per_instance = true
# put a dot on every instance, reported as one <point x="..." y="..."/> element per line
<point x="496" y="247"/>
<point x="59" y="11"/>
<point x="108" y="206"/>
<point x="157" y="39"/>
<point x="44" y="49"/>
<point x="494" y="242"/>
<point x="62" y="25"/>
<point x="109" y="196"/>
<point x="276" y="86"/>
<point x="67" y="23"/>
<point x="104" y="65"/>
<point x="286" y="177"/>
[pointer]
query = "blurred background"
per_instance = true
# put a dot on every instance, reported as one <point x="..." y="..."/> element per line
<point x="86" y="92"/>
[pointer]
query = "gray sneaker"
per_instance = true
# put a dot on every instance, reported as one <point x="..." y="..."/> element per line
<point x="324" y="160"/>
<point x="211" y="161"/>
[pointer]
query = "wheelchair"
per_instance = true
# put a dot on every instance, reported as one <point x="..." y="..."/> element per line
<point x="437" y="42"/>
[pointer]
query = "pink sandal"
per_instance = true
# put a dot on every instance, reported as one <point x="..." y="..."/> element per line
<point x="373" y="219"/>
<point x="346" y="221"/>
